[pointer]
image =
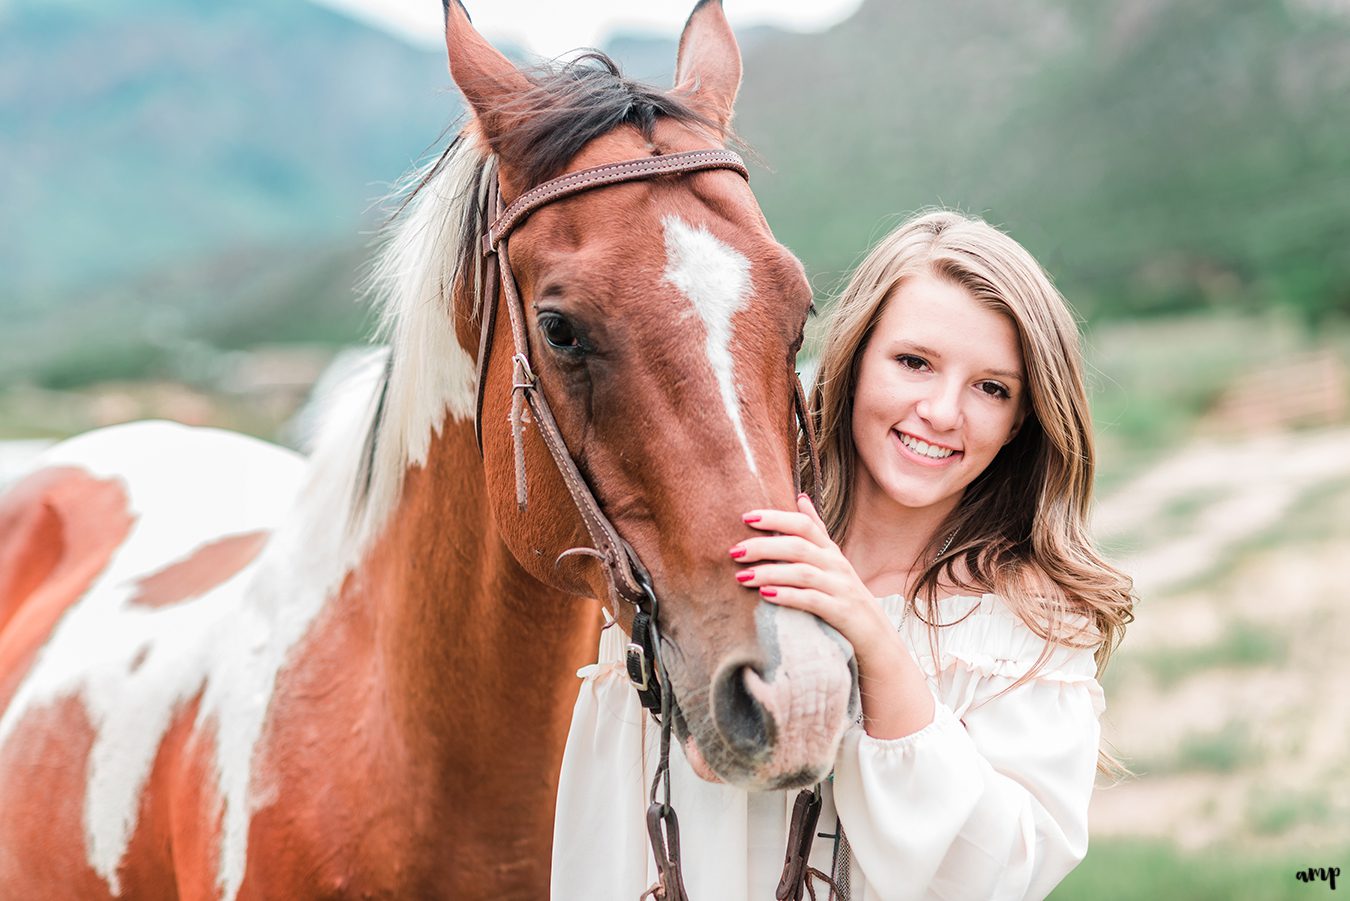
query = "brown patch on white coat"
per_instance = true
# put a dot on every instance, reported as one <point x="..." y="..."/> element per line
<point x="208" y="567"/>
<point x="58" y="530"/>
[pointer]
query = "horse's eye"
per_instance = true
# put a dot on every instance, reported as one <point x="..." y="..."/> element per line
<point x="558" y="332"/>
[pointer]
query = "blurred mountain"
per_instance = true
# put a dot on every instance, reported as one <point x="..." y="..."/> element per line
<point x="1156" y="155"/>
<point x="651" y="58"/>
<point x="152" y="133"/>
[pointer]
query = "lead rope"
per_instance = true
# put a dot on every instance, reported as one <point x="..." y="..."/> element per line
<point x="663" y="827"/>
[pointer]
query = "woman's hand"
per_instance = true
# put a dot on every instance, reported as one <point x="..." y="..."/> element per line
<point x="806" y="570"/>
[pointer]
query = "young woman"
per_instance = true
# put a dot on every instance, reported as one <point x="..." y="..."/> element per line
<point x="951" y="550"/>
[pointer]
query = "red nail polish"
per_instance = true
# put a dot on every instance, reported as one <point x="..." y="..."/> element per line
<point x="769" y="592"/>
<point x="737" y="552"/>
<point x="745" y="575"/>
<point x="749" y="518"/>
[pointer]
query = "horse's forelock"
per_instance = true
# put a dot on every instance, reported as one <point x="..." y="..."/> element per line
<point x="574" y="102"/>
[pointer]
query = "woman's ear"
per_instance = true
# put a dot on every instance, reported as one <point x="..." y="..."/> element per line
<point x="1017" y="424"/>
<point x="708" y="65"/>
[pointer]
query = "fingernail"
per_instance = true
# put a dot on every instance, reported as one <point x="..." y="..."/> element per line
<point x="769" y="592"/>
<point x="803" y="496"/>
<point x="745" y="575"/>
<point x="737" y="552"/>
<point x="750" y="517"/>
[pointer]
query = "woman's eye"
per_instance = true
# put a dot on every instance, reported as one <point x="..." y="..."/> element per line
<point x="994" y="389"/>
<point x="558" y="332"/>
<point x="909" y="361"/>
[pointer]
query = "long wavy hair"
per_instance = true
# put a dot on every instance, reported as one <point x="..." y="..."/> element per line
<point x="1020" y="529"/>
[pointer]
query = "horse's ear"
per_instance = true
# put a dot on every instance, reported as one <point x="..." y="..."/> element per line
<point x="708" y="66"/>
<point x="488" y="80"/>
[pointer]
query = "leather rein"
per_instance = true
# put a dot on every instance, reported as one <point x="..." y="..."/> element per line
<point x="629" y="581"/>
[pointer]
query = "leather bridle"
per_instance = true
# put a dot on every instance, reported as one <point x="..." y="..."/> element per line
<point x="628" y="579"/>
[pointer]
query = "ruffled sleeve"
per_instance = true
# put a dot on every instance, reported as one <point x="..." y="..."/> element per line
<point x="990" y="800"/>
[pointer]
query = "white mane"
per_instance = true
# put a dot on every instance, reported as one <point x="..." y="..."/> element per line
<point x="380" y="418"/>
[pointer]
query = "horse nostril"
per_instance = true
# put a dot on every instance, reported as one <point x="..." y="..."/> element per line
<point x="740" y="719"/>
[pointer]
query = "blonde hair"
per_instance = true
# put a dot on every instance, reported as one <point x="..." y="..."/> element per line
<point x="1020" y="529"/>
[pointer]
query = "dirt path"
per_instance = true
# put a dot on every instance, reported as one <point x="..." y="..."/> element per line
<point x="1231" y="491"/>
<point x="1229" y="696"/>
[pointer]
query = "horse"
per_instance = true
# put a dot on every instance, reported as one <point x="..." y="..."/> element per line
<point x="229" y="671"/>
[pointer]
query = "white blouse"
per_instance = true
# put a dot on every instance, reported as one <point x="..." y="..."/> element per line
<point x="989" y="801"/>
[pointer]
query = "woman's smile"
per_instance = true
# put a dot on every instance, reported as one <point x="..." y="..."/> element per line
<point x="923" y="452"/>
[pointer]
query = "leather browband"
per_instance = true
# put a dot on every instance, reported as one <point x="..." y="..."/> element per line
<point x="608" y="174"/>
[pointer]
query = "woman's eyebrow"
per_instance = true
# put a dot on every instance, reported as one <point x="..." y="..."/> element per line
<point x="920" y="348"/>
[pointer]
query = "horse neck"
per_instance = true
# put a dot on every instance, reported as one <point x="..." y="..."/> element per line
<point x="479" y="656"/>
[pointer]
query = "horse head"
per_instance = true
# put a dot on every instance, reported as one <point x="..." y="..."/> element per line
<point x="663" y="320"/>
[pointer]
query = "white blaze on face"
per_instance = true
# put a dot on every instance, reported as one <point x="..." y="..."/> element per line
<point x="716" y="280"/>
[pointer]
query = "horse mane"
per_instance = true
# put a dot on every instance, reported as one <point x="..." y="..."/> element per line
<point x="381" y="421"/>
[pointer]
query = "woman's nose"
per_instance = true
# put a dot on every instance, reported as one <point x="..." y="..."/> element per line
<point x="941" y="407"/>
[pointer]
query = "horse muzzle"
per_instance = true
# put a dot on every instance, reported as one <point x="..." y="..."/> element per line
<point x="771" y="717"/>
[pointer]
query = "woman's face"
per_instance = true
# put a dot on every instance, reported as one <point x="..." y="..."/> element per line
<point x="941" y="389"/>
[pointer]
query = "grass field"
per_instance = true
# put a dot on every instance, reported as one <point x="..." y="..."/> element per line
<point x="1123" y="870"/>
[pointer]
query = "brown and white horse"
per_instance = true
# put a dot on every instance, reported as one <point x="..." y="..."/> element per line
<point x="230" y="672"/>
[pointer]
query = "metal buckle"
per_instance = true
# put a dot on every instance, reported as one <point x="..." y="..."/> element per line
<point x="639" y="670"/>
<point x="524" y="368"/>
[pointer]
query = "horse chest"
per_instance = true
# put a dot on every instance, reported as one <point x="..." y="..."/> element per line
<point x="361" y="806"/>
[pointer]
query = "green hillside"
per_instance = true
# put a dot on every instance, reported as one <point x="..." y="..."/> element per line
<point x="151" y="133"/>
<point x="1161" y="156"/>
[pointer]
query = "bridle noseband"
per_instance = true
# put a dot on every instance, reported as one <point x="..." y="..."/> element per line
<point x="628" y="578"/>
